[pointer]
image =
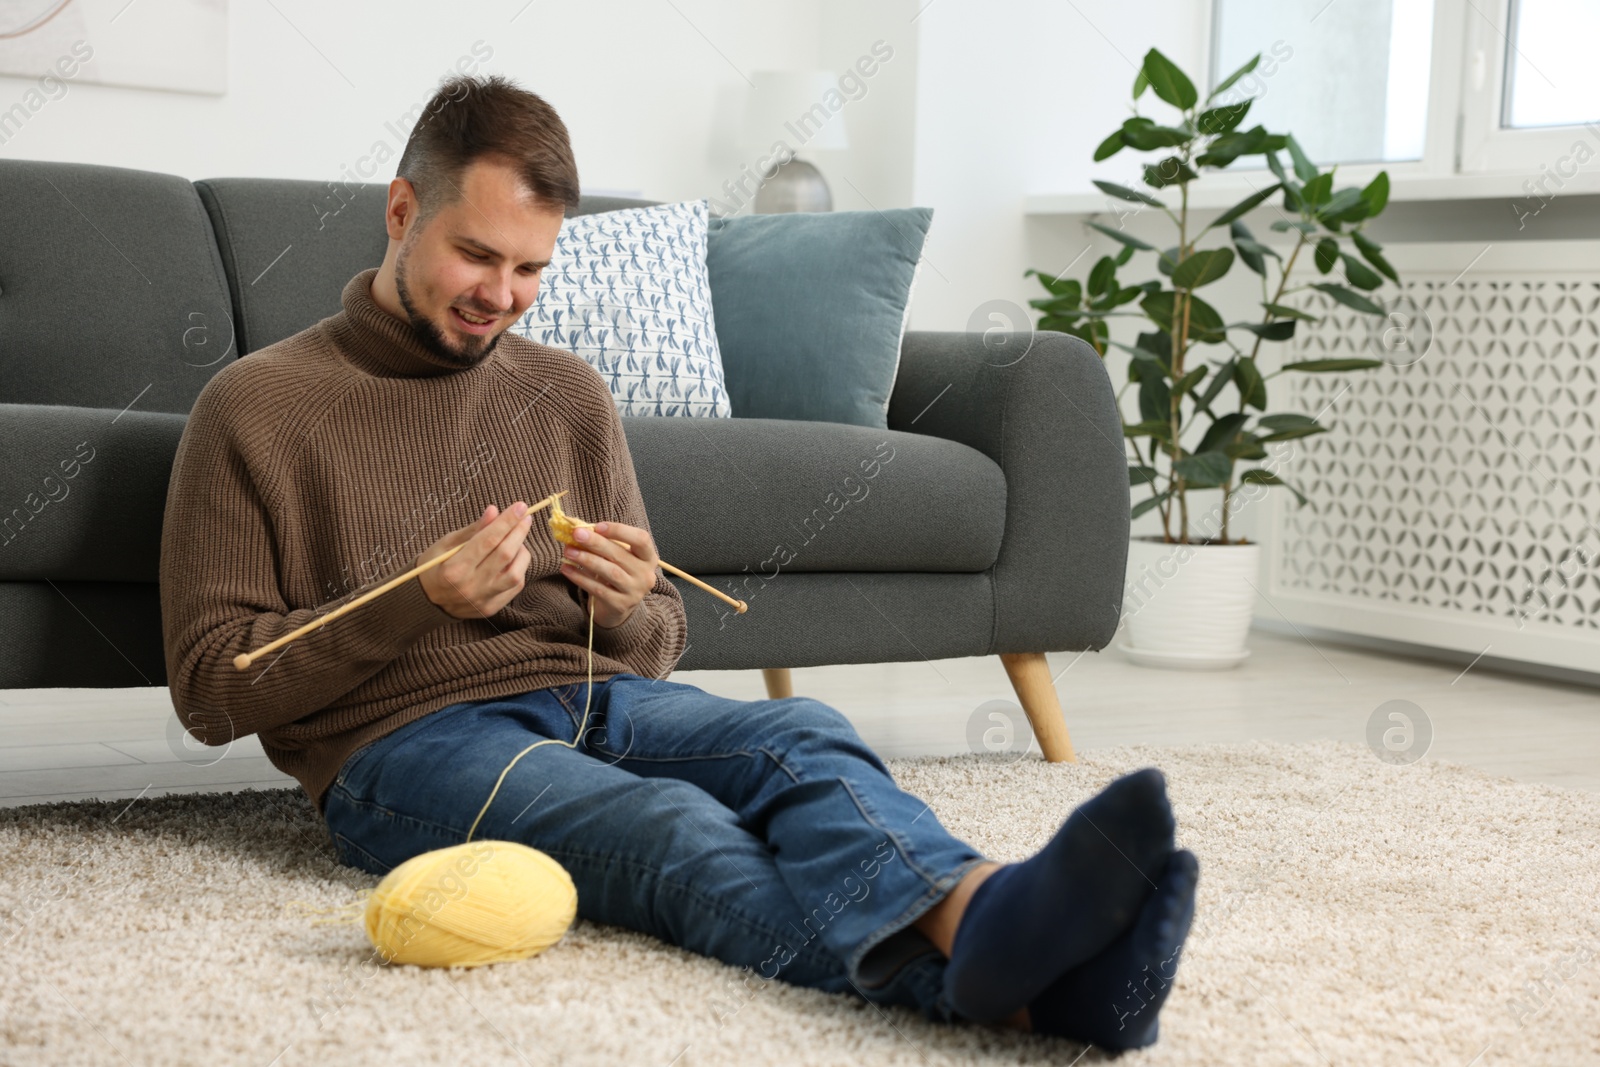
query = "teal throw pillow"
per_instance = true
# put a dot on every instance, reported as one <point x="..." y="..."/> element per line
<point x="811" y="308"/>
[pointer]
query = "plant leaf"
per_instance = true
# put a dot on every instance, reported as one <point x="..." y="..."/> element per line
<point x="1055" y="305"/>
<point x="1285" y="225"/>
<point x="1250" y="255"/>
<point x="1376" y="194"/>
<point x="1327" y="254"/>
<point x="1127" y="239"/>
<point x="1359" y="274"/>
<point x="1318" y="190"/>
<point x="1156" y="345"/>
<point x="1122" y="192"/>
<point x="1333" y="365"/>
<point x="1204" y="470"/>
<point x="1141" y="475"/>
<point x="1222" y="432"/>
<point x="1202" y="268"/>
<point x="1169" y="259"/>
<point x="1143" y="134"/>
<point x="1257" y="476"/>
<point x="1068" y="287"/>
<point x="1246" y="446"/>
<point x="1344" y="206"/>
<point x="1247" y="244"/>
<point x="1288" y="426"/>
<point x="1145" y="505"/>
<point x="1372" y="252"/>
<point x="1284" y="310"/>
<point x="1252" y="388"/>
<point x="1157" y="428"/>
<point x="1103" y="278"/>
<point x="1190" y="380"/>
<point x="1169" y="83"/>
<point x="1155" y="397"/>
<point x="1109" y="147"/>
<point x="1276" y="167"/>
<point x="1227" y="147"/>
<point x="1222" y="119"/>
<point x="1281" y="330"/>
<point x="1253" y="252"/>
<point x="1205" y="325"/>
<point x="1119" y="297"/>
<point x="1227" y="82"/>
<point x="1170" y="171"/>
<point x="1348" y="298"/>
<point x="1304" y="169"/>
<point x="1140" y="84"/>
<point x="1248" y="204"/>
<point x="1223" y="376"/>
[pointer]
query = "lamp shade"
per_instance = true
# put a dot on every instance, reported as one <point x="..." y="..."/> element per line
<point x="799" y="107"/>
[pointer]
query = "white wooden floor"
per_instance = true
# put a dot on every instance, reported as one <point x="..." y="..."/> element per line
<point x="69" y="744"/>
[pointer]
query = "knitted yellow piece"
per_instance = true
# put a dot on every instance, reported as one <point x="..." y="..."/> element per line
<point x="562" y="525"/>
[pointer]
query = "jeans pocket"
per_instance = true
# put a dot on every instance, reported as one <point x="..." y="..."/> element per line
<point x="351" y="760"/>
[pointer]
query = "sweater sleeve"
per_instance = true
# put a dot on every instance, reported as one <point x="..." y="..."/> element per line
<point x="221" y="595"/>
<point x="650" y="640"/>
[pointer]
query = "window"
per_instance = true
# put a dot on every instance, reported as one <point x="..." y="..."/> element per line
<point x="1349" y="78"/>
<point x="1551" y="78"/>
<point x="1483" y="94"/>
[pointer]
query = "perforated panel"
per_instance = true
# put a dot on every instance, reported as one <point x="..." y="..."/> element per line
<point x="1461" y="484"/>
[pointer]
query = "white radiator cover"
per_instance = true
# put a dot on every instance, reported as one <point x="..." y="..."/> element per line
<point x="1456" y="502"/>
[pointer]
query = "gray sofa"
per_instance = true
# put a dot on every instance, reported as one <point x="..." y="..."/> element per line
<point x="999" y="525"/>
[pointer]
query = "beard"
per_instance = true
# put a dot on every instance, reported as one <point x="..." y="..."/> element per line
<point x="468" y="353"/>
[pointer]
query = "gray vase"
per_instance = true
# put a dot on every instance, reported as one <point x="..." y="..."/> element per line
<point x="798" y="186"/>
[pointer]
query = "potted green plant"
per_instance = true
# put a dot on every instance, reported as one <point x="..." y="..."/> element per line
<point x="1203" y="420"/>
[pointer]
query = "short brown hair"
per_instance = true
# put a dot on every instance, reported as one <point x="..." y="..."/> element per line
<point x="471" y="117"/>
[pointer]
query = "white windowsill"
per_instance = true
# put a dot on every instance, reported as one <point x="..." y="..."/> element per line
<point x="1225" y="190"/>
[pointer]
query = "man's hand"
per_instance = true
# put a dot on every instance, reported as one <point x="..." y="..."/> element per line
<point x="487" y="574"/>
<point x="615" y="578"/>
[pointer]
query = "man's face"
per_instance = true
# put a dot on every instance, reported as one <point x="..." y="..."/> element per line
<point x="469" y="272"/>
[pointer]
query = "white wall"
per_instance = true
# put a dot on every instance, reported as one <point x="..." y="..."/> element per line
<point x="635" y="81"/>
<point x="1011" y="100"/>
<point x="978" y="107"/>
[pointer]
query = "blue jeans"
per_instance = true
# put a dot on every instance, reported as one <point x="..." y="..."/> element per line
<point x="762" y="833"/>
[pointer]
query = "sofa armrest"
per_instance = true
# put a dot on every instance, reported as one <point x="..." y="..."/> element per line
<point x="1049" y="418"/>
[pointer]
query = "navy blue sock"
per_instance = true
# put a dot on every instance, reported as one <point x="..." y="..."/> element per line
<point x="1113" y="999"/>
<point x="1030" y="922"/>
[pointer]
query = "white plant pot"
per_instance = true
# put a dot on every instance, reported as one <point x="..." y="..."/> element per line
<point x="1189" y="606"/>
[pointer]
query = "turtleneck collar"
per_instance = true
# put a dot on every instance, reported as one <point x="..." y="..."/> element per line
<point x="382" y="345"/>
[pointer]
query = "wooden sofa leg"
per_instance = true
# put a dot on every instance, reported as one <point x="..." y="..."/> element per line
<point x="1030" y="677"/>
<point x="779" y="682"/>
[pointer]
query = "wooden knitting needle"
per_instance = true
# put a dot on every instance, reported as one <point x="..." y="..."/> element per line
<point x="243" y="660"/>
<point x="738" y="605"/>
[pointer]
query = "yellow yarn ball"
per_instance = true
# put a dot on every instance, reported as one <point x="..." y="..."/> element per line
<point x="471" y="904"/>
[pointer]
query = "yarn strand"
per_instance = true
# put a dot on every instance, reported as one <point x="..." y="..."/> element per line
<point x="582" y="724"/>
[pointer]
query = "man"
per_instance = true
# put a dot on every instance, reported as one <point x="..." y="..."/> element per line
<point x="762" y="833"/>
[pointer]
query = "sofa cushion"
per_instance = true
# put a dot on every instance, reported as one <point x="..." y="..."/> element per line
<point x="111" y="291"/>
<point x="811" y="309"/>
<point x="733" y="496"/>
<point x="627" y="291"/>
<point x="289" y="246"/>
<point x="84" y="492"/>
<point x="725" y="496"/>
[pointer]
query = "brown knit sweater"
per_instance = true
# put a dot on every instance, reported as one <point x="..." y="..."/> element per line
<point x="323" y="465"/>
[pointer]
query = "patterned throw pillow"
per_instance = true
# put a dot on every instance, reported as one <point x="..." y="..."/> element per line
<point x="627" y="291"/>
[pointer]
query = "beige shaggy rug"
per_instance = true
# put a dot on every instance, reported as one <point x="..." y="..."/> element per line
<point x="1349" y="912"/>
